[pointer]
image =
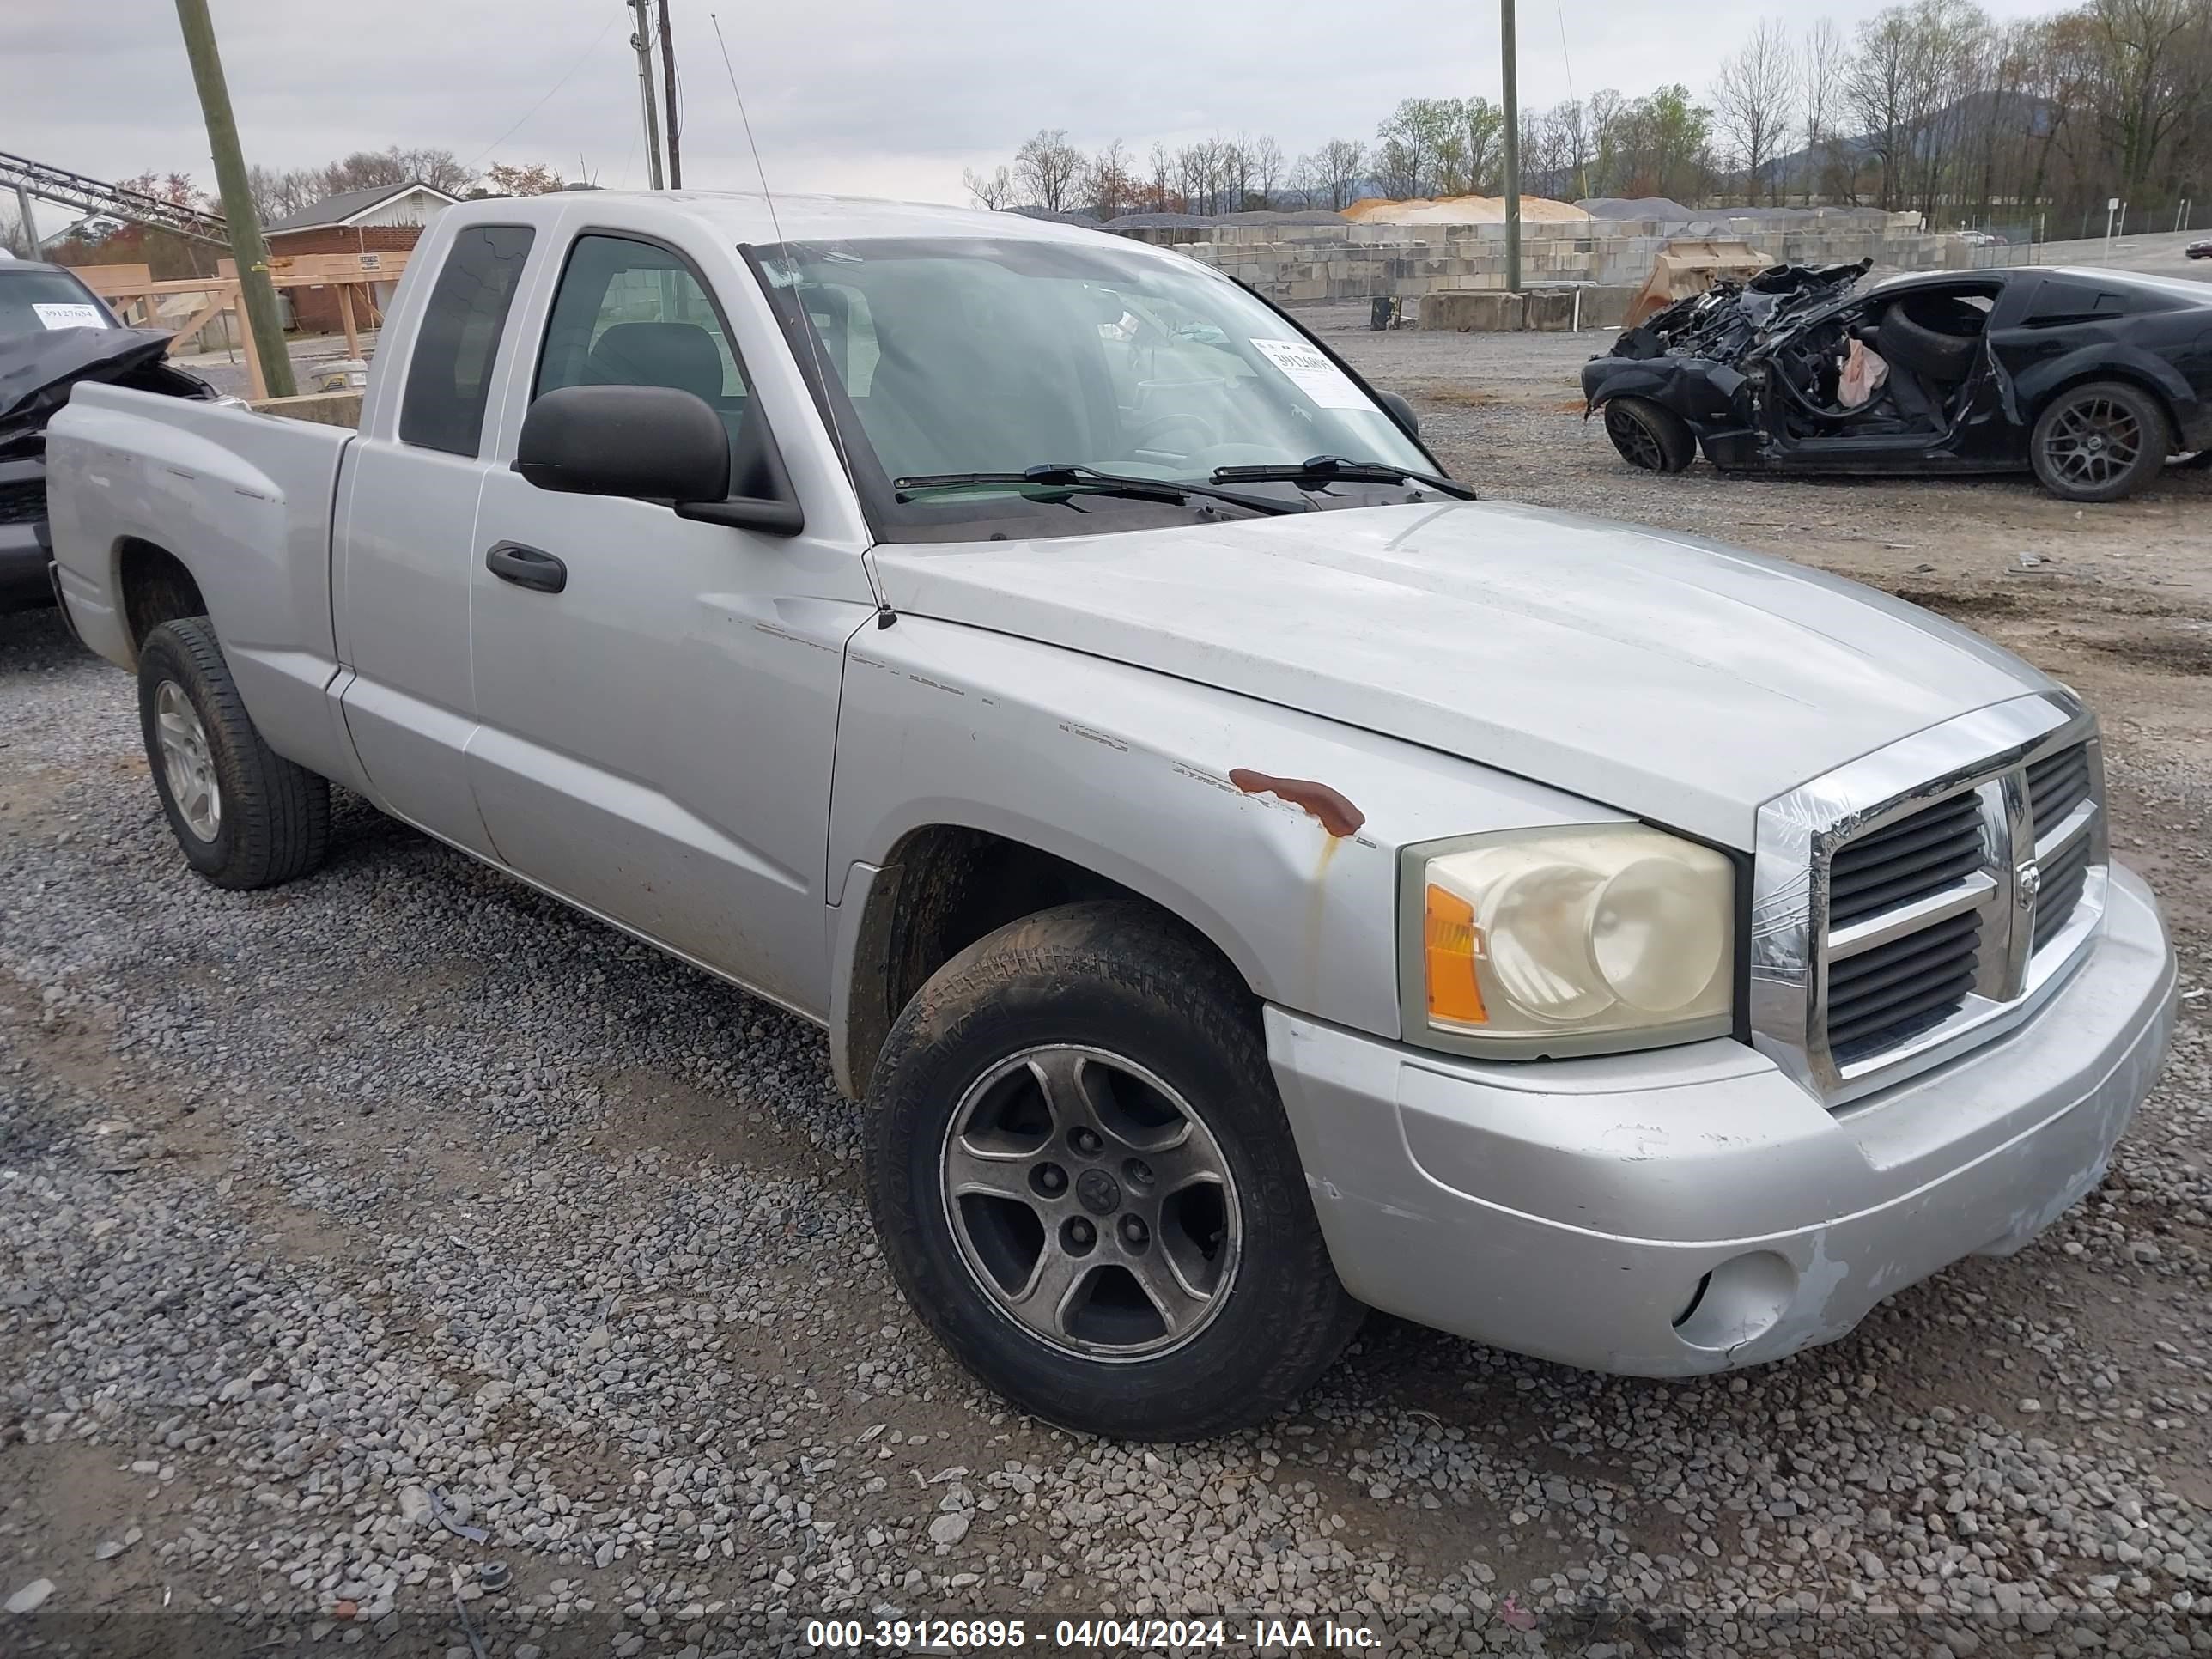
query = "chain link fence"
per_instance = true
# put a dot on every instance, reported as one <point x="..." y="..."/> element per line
<point x="2001" y="244"/>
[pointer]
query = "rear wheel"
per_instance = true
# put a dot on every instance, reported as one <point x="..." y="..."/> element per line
<point x="1656" y="439"/>
<point x="2100" y="442"/>
<point x="244" y="815"/>
<point x="1085" y="1186"/>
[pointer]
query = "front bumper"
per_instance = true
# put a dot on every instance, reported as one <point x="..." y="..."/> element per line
<point x="1691" y="1209"/>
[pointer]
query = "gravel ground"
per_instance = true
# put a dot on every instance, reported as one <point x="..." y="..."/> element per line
<point x="400" y="1201"/>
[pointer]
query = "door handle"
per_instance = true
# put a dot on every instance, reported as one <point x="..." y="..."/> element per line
<point x="526" y="567"/>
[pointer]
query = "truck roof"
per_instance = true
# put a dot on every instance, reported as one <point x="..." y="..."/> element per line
<point x="747" y="217"/>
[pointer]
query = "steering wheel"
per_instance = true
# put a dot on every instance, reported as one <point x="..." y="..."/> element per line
<point x="1156" y="429"/>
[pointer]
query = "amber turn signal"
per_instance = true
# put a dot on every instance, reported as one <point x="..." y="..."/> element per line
<point x="1447" y="940"/>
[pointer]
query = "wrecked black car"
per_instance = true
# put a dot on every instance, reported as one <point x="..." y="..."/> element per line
<point x="2091" y="379"/>
<point x="54" y="332"/>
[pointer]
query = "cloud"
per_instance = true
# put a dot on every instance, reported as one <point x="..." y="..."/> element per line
<point x="872" y="98"/>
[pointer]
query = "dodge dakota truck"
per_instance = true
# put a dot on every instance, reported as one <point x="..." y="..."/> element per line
<point x="1245" y="879"/>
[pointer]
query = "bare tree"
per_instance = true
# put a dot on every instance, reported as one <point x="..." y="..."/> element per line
<point x="1160" y="186"/>
<point x="1822" y="61"/>
<point x="1112" y="187"/>
<point x="1602" y="117"/>
<point x="1268" y="166"/>
<point x="993" y="190"/>
<point x="1046" y="168"/>
<point x="2153" y="61"/>
<point x="1754" y="100"/>
<point x="1340" y="162"/>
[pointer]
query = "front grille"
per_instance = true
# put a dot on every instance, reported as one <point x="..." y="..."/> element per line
<point x="2057" y="784"/>
<point x="23" y="503"/>
<point x="1891" y="993"/>
<point x="2065" y="879"/>
<point x="1925" y="897"/>
<point x="1934" y="848"/>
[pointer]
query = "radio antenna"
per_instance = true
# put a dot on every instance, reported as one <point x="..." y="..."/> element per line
<point x="752" y="142"/>
<point x="884" y="615"/>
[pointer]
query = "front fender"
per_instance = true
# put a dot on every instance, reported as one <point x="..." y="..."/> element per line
<point x="1701" y="391"/>
<point x="1145" y="779"/>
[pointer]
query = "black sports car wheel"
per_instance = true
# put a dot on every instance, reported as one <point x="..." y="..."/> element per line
<point x="2100" y="442"/>
<point x="1648" y="436"/>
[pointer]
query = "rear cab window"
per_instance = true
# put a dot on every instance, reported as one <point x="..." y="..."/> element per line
<point x="449" y="376"/>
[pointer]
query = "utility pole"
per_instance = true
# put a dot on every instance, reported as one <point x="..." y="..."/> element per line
<point x="30" y="223"/>
<point x="642" y="41"/>
<point x="1512" y="149"/>
<point x="668" y="84"/>
<point x="255" y="291"/>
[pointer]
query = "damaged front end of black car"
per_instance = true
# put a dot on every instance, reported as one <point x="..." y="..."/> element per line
<point x="37" y="371"/>
<point x="2090" y="379"/>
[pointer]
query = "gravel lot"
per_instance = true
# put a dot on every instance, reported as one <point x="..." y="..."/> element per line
<point x="401" y="1197"/>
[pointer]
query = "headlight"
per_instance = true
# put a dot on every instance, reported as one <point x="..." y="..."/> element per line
<point x="1569" y="941"/>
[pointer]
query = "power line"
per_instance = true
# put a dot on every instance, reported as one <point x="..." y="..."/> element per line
<point x="471" y="163"/>
<point x="1561" y="7"/>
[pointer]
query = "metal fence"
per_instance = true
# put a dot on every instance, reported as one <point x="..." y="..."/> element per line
<point x="1994" y="245"/>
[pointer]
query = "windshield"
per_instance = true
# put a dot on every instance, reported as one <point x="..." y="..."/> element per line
<point x="34" y="299"/>
<point x="958" y="356"/>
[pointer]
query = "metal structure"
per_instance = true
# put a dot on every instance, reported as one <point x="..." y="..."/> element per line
<point x="88" y="195"/>
<point x="1509" y="57"/>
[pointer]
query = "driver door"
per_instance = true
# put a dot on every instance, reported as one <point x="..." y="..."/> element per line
<point x="657" y="697"/>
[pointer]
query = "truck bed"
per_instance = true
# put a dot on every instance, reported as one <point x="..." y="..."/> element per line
<point x="244" y="499"/>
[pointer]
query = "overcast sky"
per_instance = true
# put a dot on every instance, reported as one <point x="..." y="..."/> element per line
<point x="860" y="96"/>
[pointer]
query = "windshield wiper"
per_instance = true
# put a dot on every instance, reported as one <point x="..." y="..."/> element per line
<point x="1334" y="469"/>
<point x="1065" y="474"/>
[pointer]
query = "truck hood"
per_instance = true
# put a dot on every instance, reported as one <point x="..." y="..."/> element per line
<point x="1676" y="679"/>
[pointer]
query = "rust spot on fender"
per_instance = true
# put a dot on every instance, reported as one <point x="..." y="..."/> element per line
<point x="1337" y="815"/>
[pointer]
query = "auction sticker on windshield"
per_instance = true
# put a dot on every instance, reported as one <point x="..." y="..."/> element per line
<point x="68" y="316"/>
<point x="1306" y="368"/>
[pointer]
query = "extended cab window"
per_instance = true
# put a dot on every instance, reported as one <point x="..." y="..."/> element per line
<point x="449" y="378"/>
<point x="634" y="313"/>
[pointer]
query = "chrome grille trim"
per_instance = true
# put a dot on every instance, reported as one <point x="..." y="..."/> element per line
<point x="1988" y="754"/>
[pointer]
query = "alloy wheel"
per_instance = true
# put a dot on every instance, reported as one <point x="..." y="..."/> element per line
<point x="1636" y="442"/>
<point x="1091" y="1204"/>
<point x="2093" y="442"/>
<point x="188" y="765"/>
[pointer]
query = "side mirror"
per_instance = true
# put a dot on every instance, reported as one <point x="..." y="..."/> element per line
<point x="1400" y="411"/>
<point x="650" y="441"/>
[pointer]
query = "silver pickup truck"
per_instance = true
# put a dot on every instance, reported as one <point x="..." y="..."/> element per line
<point x="1246" y="880"/>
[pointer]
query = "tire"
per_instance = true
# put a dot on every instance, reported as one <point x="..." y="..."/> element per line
<point x="271" y="819"/>
<point x="1934" y="353"/>
<point x="1648" y="436"/>
<point x="1132" y="1022"/>
<point x="2100" y="442"/>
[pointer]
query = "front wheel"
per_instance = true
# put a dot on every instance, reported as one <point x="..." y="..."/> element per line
<point x="1648" y="436"/>
<point x="1085" y="1186"/>
<point x="2100" y="442"/>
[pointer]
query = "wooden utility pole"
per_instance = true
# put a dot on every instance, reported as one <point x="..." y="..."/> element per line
<point x="668" y="85"/>
<point x="641" y="41"/>
<point x="256" y="292"/>
<point x="1512" y="147"/>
